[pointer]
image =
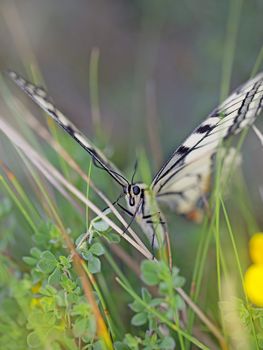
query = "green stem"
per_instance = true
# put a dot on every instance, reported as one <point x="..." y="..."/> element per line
<point x="101" y="299"/>
<point x="239" y="270"/>
<point x="19" y="204"/>
<point x="230" y="45"/>
<point x="94" y="89"/>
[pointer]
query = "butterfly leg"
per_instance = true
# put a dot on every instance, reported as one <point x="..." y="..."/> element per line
<point x="115" y="202"/>
<point x="125" y="210"/>
<point x="133" y="215"/>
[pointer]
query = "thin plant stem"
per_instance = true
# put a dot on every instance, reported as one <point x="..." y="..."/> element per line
<point x="18" y="204"/>
<point x="233" y="21"/>
<point x="231" y="234"/>
<point x="258" y="62"/>
<point x="94" y="89"/>
<point x="100" y="296"/>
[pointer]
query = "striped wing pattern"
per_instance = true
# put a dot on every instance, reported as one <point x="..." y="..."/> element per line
<point x="39" y="96"/>
<point x="185" y="178"/>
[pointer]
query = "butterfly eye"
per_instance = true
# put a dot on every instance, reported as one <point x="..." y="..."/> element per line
<point x="136" y="190"/>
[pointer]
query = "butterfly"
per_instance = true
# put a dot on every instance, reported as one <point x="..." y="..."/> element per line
<point x="183" y="182"/>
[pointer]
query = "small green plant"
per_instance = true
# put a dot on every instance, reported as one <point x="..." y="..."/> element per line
<point x="148" y="309"/>
<point x="45" y="306"/>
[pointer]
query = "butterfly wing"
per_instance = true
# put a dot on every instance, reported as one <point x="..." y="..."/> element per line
<point x="40" y="97"/>
<point x="188" y="195"/>
<point x="184" y="179"/>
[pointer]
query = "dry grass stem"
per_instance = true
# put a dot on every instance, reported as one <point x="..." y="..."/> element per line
<point x="45" y="167"/>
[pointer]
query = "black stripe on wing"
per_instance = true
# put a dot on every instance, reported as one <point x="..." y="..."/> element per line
<point x="239" y="110"/>
<point x="40" y="97"/>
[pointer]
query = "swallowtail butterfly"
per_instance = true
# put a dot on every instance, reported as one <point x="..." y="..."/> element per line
<point x="183" y="181"/>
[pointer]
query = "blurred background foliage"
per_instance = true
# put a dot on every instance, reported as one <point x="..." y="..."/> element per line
<point x="177" y="47"/>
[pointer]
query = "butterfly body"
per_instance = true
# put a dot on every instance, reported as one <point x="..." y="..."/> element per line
<point x="141" y="204"/>
<point x="184" y="180"/>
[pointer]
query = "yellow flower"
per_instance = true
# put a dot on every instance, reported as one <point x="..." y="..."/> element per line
<point x="254" y="284"/>
<point x="256" y="248"/>
<point x="36" y="287"/>
<point x="34" y="303"/>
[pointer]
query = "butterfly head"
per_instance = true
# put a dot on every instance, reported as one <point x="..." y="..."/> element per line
<point x="134" y="194"/>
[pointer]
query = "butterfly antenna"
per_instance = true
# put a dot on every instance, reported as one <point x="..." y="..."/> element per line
<point x="135" y="170"/>
<point x="98" y="165"/>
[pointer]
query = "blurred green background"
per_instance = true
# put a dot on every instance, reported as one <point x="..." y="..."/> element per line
<point x="160" y="68"/>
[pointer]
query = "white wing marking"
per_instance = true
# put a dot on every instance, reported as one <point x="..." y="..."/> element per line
<point x="40" y="96"/>
<point x="182" y="181"/>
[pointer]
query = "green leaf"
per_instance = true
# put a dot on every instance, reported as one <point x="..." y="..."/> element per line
<point x="54" y="233"/>
<point x="94" y="265"/>
<point x="132" y="342"/>
<point x="91" y="327"/>
<point x="139" y="319"/>
<point x="29" y="260"/>
<point x="80" y="328"/>
<point x="38" y="319"/>
<point x="48" y="291"/>
<point x="151" y="341"/>
<point x="67" y="283"/>
<point x="55" y="276"/>
<point x="49" y="320"/>
<point x="79" y="239"/>
<point x="179" y="282"/>
<point x="149" y="271"/>
<point x="81" y="309"/>
<point x="100" y="226"/>
<point x="112" y="237"/>
<point x="175" y="270"/>
<point x="153" y="323"/>
<point x="167" y="343"/>
<point x="64" y="261"/>
<point x="35" y="252"/>
<point x="136" y="306"/>
<point x="48" y="262"/>
<point x="87" y="255"/>
<point x="163" y="287"/>
<point x="98" y="345"/>
<point x="180" y="304"/>
<point x="156" y="302"/>
<point x="164" y="272"/>
<point x="97" y="249"/>
<point x="33" y="340"/>
<point x="120" y="346"/>
<point x="146" y="296"/>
